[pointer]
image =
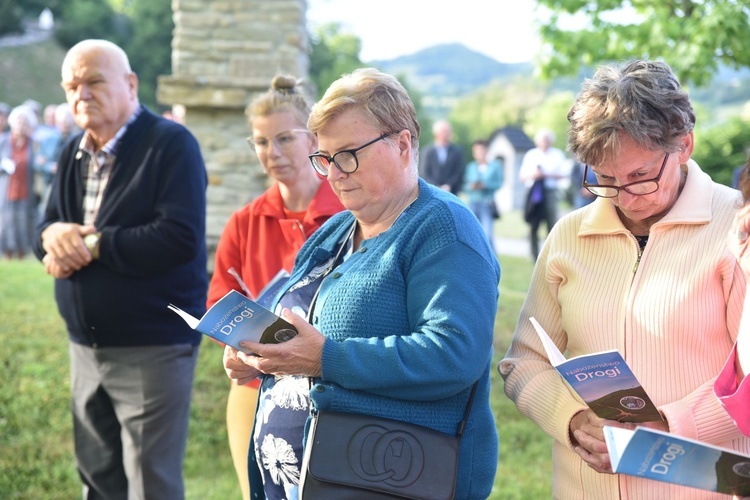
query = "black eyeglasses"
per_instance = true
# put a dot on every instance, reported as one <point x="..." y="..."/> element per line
<point x="637" y="188"/>
<point x="345" y="160"/>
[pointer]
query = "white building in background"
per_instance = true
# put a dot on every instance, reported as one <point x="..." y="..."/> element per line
<point x="46" y="20"/>
<point x="508" y="145"/>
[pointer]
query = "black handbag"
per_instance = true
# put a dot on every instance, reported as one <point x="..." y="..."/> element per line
<point x="494" y="210"/>
<point x="534" y="206"/>
<point x="353" y="456"/>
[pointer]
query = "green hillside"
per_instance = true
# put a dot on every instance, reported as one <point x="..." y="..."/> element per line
<point x="31" y="72"/>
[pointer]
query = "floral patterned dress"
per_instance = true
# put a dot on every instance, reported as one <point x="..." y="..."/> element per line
<point x="284" y="405"/>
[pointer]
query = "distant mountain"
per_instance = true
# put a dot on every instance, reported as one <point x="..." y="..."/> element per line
<point x="445" y="73"/>
<point x="450" y="69"/>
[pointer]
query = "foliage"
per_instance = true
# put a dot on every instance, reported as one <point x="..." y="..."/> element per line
<point x="150" y="47"/>
<point x="82" y="19"/>
<point x="35" y="7"/>
<point x="333" y="54"/>
<point x="501" y="103"/>
<point x="35" y="426"/>
<point x="721" y="148"/>
<point x="11" y="15"/>
<point x="694" y="36"/>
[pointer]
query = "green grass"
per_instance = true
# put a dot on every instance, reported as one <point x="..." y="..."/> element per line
<point x="512" y="225"/>
<point x="36" y="455"/>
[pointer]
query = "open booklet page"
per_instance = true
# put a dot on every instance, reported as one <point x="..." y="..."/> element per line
<point x="661" y="456"/>
<point x="604" y="381"/>
<point x="235" y="318"/>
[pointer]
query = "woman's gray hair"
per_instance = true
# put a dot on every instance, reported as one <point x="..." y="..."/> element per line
<point x="641" y="99"/>
<point x="25" y="113"/>
<point x="380" y="96"/>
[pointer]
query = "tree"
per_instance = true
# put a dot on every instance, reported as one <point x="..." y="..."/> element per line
<point x="693" y="36"/>
<point x="83" y="19"/>
<point x="150" y="47"/>
<point x="11" y="17"/>
<point x="721" y="148"/>
<point x="499" y="104"/>
<point x="333" y="54"/>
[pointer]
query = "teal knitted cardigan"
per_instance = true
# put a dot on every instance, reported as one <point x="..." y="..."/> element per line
<point x="409" y="322"/>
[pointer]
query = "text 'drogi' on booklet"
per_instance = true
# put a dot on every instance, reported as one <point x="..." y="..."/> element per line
<point x="658" y="455"/>
<point x="235" y="318"/>
<point x="604" y="381"/>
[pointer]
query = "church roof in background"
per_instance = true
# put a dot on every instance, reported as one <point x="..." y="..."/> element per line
<point x="516" y="136"/>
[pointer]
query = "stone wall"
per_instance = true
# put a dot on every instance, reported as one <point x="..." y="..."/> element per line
<point x="225" y="52"/>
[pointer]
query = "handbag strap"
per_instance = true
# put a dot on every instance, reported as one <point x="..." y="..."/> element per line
<point x="314" y="300"/>
<point x="462" y="425"/>
<point x="331" y="267"/>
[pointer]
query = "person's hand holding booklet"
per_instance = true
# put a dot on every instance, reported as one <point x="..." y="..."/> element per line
<point x="657" y="455"/>
<point x="604" y="381"/>
<point x="235" y="318"/>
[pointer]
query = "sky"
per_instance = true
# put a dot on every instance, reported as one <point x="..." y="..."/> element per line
<point x="501" y="29"/>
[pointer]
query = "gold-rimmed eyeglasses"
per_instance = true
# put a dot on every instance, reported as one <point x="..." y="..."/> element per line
<point x="637" y="188"/>
<point x="283" y="140"/>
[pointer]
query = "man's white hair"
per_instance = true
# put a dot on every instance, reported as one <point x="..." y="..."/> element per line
<point x="92" y="44"/>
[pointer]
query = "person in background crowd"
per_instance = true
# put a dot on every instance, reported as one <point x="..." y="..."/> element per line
<point x="65" y="123"/>
<point x="4" y="111"/>
<point x="442" y="163"/>
<point x="399" y="292"/>
<point x="263" y="237"/>
<point x="644" y="269"/>
<point x="546" y="165"/>
<point x="17" y="153"/>
<point x="737" y="172"/>
<point x="581" y="195"/>
<point x="123" y="235"/>
<point x="481" y="179"/>
<point x="49" y="137"/>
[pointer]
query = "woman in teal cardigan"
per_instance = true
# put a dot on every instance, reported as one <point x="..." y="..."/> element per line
<point x="403" y="287"/>
<point x="481" y="179"/>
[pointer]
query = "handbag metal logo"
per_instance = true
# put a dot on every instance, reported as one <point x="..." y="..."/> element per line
<point x="379" y="455"/>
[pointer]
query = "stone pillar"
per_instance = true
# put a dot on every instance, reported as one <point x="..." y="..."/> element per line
<point x="225" y="52"/>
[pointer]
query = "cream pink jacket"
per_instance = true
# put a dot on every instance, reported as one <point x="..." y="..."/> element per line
<point x="673" y="316"/>
<point x="734" y="397"/>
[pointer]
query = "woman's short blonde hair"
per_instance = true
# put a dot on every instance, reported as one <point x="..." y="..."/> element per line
<point x="641" y="99"/>
<point x="380" y="96"/>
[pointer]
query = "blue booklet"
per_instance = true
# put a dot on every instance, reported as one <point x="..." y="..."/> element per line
<point x="604" y="381"/>
<point x="268" y="293"/>
<point x="235" y="318"/>
<point x="657" y="455"/>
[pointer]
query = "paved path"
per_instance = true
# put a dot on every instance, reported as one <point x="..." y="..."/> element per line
<point x="32" y="34"/>
<point x="512" y="246"/>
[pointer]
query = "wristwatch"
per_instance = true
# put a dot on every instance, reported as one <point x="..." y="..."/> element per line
<point x="92" y="243"/>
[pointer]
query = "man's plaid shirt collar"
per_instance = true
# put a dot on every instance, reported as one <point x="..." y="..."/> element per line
<point x="110" y="148"/>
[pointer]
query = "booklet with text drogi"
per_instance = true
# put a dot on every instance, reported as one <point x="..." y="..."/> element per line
<point x="657" y="455"/>
<point x="604" y="381"/>
<point x="235" y="318"/>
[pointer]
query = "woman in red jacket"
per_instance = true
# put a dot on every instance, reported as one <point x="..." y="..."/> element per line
<point x="263" y="237"/>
